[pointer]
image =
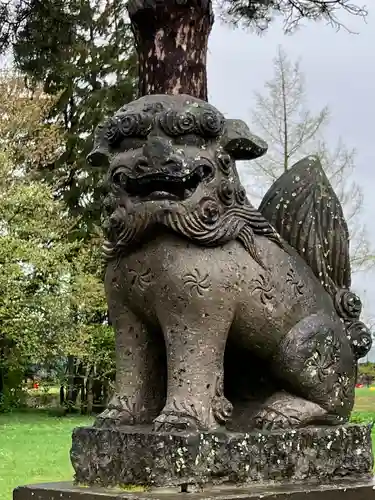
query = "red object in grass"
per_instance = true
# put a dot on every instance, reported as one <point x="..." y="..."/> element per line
<point x="35" y="385"/>
<point x="359" y="386"/>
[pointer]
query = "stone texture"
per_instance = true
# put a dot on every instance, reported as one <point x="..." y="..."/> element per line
<point x="343" y="490"/>
<point x="121" y="456"/>
<point x="215" y="303"/>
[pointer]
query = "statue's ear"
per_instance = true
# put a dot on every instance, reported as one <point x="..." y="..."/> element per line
<point x="240" y="143"/>
<point x="99" y="155"/>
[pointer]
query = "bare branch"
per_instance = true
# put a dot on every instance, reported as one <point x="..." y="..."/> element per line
<point x="292" y="131"/>
<point x="259" y="14"/>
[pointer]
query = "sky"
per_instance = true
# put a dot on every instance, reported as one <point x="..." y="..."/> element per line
<point x="339" y="68"/>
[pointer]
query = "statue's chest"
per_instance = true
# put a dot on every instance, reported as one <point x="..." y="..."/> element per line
<point x="139" y="275"/>
<point x="174" y="270"/>
<point x="155" y="268"/>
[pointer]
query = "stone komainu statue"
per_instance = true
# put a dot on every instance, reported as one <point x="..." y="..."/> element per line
<point x="225" y="315"/>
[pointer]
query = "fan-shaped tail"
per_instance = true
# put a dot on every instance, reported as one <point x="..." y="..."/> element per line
<point x="306" y="212"/>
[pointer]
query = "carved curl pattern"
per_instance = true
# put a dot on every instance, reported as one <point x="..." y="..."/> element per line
<point x="121" y="229"/>
<point x="265" y="287"/>
<point x="174" y="123"/>
<point x="210" y="123"/>
<point x="211" y="224"/>
<point x="208" y="211"/>
<point x="207" y="123"/>
<point x="349" y="307"/>
<point x="197" y="283"/>
<point x="226" y="193"/>
<point x="241" y="195"/>
<point x="360" y="338"/>
<point x="205" y="224"/>
<point x="348" y="304"/>
<point x="128" y="125"/>
<point x="224" y="161"/>
<point x="221" y="408"/>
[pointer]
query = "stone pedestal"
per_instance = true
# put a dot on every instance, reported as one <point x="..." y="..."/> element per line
<point x="336" y="491"/>
<point x="136" y="456"/>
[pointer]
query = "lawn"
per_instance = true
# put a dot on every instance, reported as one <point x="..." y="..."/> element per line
<point x="34" y="446"/>
<point x="365" y="400"/>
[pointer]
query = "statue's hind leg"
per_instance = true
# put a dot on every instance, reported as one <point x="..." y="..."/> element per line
<point x="318" y="368"/>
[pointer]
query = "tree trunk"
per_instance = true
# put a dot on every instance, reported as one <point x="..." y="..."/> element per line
<point x="89" y="392"/>
<point x="171" y="38"/>
<point x="62" y="395"/>
<point x="2" y="370"/>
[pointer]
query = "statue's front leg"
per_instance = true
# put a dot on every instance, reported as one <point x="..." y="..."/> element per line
<point x="195" y="345"/>
<point x="140" y="370"/>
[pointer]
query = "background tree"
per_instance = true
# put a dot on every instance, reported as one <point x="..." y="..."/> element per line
<point x="174" y="60"/>
<point x="52" y="304"/>
<point x="34" y="307"/>
<point x="283" y="120"/>
<point x="82" y="52"/>
<point x="62" y="23"/>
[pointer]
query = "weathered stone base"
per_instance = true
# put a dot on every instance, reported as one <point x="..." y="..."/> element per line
<point x="337" y="491"/>
<point x="123" y="456"/>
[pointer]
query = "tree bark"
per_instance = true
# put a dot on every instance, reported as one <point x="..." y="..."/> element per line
<point x="171" y="39"/>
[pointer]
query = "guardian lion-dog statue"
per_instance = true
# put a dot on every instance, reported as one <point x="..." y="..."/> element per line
<point x="224" y="315"/>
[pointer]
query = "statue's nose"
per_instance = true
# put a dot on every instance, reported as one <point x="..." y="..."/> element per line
<point x="159" y="154"/>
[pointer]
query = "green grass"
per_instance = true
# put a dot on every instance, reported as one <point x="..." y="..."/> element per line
<point x="365" y="400"/>
<point x="364" y="409"/>
<point x="34" y="446"/>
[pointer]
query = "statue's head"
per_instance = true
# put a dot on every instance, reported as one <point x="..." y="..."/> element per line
<point x="171" y="158"/>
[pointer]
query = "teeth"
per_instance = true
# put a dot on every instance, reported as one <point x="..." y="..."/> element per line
<point x="181" y="187"/>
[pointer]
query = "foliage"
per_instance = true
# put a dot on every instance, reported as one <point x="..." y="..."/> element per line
<point x="35" y="273"/>
<point x="259" y="14"/>
<point x="52" y="303"/>
<point x="362" y="417"/>
<point x="283" y="120"/>
<point x="25" y="134"/>
<point x="367" y="369"/>
<point x="82" y="52"/>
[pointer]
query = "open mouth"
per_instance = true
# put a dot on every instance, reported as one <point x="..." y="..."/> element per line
<point x="159" y="186"/>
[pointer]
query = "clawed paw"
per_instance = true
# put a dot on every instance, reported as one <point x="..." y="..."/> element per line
<point x="285" y="411"/>
<point x="114" y="418"/>
<point x="182" y="415"/>
<point x="269" y="419"/>
<point x="120" y="411"/>
<point x="169" y="422"/>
